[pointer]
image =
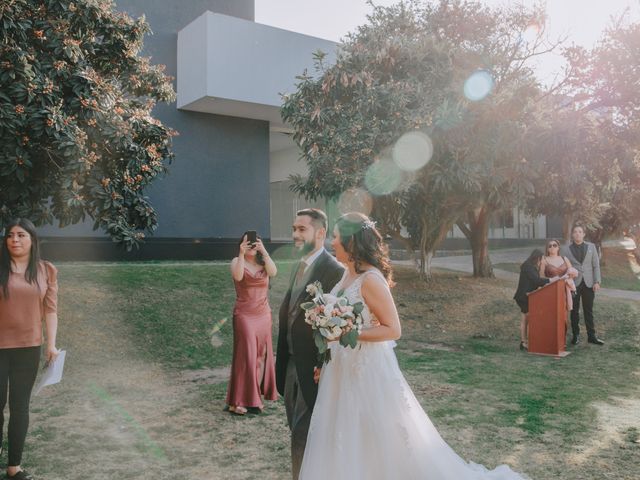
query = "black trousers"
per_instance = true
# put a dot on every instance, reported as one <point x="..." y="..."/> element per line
<point x="18" y="370"/>
<point x="586" y="295"/>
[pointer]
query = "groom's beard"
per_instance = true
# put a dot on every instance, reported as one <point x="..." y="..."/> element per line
<point x="305" y="249"/>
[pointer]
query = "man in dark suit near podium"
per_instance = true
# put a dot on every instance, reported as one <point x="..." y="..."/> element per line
<point x="584" y="258"/>
<point x="297" y="364"/>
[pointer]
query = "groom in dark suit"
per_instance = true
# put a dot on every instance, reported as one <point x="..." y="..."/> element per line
<point x="297" y="356"/>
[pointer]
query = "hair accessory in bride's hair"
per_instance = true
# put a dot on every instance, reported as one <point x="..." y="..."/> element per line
<point x="368" y="225"/>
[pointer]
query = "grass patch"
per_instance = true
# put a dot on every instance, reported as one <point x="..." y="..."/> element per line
<point x="620" y="270"/>
<point x="459" y="352"/>
<point x="170" y="311"/>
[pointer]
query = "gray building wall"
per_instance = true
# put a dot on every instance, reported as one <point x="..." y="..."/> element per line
<point x="218" y="185"/>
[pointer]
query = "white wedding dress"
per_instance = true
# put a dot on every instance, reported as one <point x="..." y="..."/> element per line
<point x="368" y="425"/>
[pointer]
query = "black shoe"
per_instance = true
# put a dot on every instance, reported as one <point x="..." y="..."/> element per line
<point x="595" y="341"/>
<point x="522" y="346"/>
<point x="575" y="339"/>
<point x="21" y="475"/>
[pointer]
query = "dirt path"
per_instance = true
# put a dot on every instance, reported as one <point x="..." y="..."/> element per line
<point x="117" y="416"/>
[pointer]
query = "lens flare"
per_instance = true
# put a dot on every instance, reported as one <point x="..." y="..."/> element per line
<point x="216" y="341"/>
<point x="218" y="325"/>
<point x="531" y="33"/>
<point x="355" y="200"/>
<point x="478" y="85"/>
<point x="285" y="252"/>
<point x="383" y="177"/>
<point x="412" y="151"/>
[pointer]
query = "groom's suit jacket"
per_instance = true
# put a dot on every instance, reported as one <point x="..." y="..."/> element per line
<point x="328" y="272"/>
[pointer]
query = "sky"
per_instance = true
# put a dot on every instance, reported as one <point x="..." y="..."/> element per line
<point x="583" y="21"/>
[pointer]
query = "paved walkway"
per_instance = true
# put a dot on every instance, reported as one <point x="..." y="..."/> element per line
<point x="464" y="263"/>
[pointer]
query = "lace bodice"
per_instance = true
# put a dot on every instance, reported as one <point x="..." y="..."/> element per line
<point x="353" y="292"/>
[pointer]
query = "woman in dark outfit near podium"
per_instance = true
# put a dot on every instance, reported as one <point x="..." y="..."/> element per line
<point x="529" y="281"/>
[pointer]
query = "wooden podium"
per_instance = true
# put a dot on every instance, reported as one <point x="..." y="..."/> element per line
<point x="547" y="320"/>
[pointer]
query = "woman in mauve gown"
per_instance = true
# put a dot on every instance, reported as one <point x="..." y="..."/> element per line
<point x="253" y="369"/>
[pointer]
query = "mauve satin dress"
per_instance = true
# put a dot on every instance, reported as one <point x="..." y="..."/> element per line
<point x="253" y="369"/>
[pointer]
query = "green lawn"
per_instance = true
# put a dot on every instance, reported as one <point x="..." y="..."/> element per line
<point x="620" y="270"/>
<point x="552" y="419"/>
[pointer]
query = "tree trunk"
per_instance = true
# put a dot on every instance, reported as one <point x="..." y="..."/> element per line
<point x="432" y="236"/>
<point x="426" y="253"/>
<point x="567" y="224"/>
<point x="478" y="235"/>
<point x="597" y="236"/>
<point x="480" y="248"/>
<point x="425" y="266"/>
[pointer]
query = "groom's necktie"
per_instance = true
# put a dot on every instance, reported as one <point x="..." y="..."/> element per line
<point x="297" y="282"/>
<point x="296" y="289"/>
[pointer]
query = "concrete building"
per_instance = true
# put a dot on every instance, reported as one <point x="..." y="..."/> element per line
<point x="231" y="166"/>
<point x="233" y="155"/>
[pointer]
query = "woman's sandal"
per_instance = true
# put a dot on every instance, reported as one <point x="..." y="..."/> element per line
<point x="237" y="409"/>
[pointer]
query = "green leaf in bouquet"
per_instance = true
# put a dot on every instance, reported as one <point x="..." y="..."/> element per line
<point x="349" y="339"/>
<point x="358" y="308"/>
<point x="340" y="293"/>
<point x="325" y="357"/>
<point x="307" y="305"/>
<point x="320" y="342"/>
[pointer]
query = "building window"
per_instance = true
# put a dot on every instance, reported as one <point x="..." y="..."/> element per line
<point x="503" y="219"/>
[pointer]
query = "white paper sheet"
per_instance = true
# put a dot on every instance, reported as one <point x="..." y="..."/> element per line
<point x="51" y="374"/>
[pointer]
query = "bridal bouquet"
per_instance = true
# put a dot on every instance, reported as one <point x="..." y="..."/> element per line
<point x="330" y="317"/>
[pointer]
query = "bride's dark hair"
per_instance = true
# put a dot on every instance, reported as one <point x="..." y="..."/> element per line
<point x="362" y="241"/>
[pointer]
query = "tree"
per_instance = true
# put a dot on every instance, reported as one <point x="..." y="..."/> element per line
<point x="588" y="138"/>
<point x="494" y="46"/>
<point x="607" y="76"/>
<point x="77" y="136"/>
<point x="621" y="213"/>
<point x="389" y="79"/>
<point x="606" y="80"/>
<point x="574" y="155"/>
<point x="406" y="69"/>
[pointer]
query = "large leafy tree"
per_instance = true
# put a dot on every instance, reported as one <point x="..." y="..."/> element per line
<point x="389" y="79"/>
<point x="606" y="81"/>
<point x="499" y="46"/>
<point x="406" y="70"/>
<point x="606" y="77"/>
<point x="77" y="137"/>
<point x="587" y="139"/>
<point x="577" y="167"/>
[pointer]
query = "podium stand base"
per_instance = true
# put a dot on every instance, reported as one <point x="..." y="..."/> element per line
<point x="556" y="355"/>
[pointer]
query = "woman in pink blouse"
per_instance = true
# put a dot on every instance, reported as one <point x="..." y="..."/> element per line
<point x="28" y="295"/>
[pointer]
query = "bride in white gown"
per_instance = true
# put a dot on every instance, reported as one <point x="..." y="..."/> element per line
<point x="367" y="424"/>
